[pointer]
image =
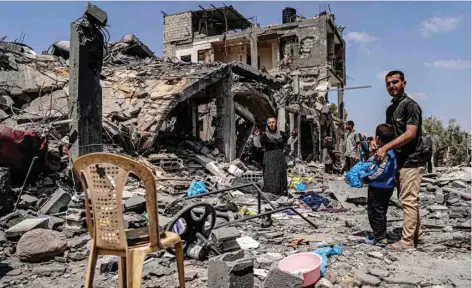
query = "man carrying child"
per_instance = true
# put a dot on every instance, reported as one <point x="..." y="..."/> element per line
<point x="381" y="182"/>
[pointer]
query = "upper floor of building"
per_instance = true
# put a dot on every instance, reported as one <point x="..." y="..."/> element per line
<point x="223" y="34"/>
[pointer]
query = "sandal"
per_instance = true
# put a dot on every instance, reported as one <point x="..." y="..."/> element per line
<point x="398" y="246"/>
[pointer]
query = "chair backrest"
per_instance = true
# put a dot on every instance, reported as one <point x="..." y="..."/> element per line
<point x="103" y="177"/>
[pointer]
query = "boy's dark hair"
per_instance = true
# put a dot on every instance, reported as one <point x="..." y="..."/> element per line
<point x="395" y="72"/>
<point x="350" y="123"/>
<point x="384" y="132"/>
<point x="370" y="138"/>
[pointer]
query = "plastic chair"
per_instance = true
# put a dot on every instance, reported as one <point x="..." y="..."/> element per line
<point x="103" y="177"/>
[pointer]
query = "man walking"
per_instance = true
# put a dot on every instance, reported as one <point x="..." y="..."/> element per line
<point x="352" y="146"/>
<point x="428" y="151"/>
<point x="405" y="115"/>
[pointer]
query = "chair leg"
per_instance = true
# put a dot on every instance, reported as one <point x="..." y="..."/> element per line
<point x="134" y="267"/>
<point x="179" y="254"/>
<point x="122" y="273"/>
<point x="92" y="263"/>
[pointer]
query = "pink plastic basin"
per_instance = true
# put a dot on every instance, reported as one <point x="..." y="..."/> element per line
<point x="308" y="262"/>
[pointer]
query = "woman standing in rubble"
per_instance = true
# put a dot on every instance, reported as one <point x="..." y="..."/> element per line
<point x="274" y="143"/>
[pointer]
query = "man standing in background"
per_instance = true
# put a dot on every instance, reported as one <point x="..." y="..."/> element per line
<point x="352" y="146"/>
<point x="428" y="151"/>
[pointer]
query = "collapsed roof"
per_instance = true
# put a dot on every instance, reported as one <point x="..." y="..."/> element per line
<point x="139" y="90"/>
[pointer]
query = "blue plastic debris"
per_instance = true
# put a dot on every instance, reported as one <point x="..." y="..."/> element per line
<point x="325" y="252"/>
<point x="353" y="176"/>
<point x="301" y="187"/>
<point x="197" y="188"/>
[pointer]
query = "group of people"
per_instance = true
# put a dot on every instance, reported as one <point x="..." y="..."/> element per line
<point x="396" y="155"/>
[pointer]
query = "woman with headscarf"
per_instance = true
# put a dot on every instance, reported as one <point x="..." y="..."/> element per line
<point x="274" y="143"/>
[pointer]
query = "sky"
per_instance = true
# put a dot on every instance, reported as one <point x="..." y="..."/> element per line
<point x="429" y="41"/>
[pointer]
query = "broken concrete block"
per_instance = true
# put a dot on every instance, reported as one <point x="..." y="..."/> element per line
<point x="27" y="201"/>
<point x="136" y="204"/>
<point x="215" y="152"/>
<point x="210" y="166"/>
<point x="459" y="212"/>
<point x="57" y="202"/>
<point x="324" y="283"/>
<point x="366" y="278"/>
<point x="403" y="280"/>
<point x="205" y="151"/>
<point x="458" y="184"/>
<point x="265" y="261"/>
<point x="96" y="14"/>
<point x="434" y="208"/>
<point x="281" y="279"/>
<point x="26" y="225"/>
<point x="78" y="242"/>
<point x="40" y="245"/>
<point x="233" y="169"/>
<point x="12" y="219"/>
<point x="440" y="198"/>
<point x="231" y="270"/>
<point x="108" y="264"/>
<point x="225" y="238"/>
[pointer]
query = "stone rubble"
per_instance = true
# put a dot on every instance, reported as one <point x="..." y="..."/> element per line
<point x="132" y="78"/>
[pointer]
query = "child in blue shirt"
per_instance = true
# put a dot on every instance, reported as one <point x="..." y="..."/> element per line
<point x="381" y="182"/>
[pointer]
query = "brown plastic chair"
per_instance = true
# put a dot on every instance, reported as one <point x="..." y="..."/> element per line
<point x="104" y="175"/>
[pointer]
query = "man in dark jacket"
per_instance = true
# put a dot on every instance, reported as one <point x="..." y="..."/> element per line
<point x="405" y="115"/>
<point x="428" y="151"/>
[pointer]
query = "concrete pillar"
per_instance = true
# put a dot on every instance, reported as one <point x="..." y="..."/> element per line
<point x="225" y="139"/>
<point x="254" y="51"/>
<point x="281" y="120"/>
<point x="274" y="55"/>
<point x="277" y="51"/>
<point x="341" y="102"/>
<point x="85" y="93"/>
<point x="299" y="127"/>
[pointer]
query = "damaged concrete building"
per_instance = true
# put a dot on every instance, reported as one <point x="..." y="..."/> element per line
<point x="243" y="78"/>
<point x="307" y="56"/>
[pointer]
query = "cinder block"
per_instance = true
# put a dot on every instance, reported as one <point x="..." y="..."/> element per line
<point x="231" y="270"/>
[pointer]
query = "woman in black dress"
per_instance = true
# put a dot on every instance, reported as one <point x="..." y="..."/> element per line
<point x="274" y="143"/>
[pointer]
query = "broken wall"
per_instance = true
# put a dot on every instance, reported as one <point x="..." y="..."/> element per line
<point x="177" y="27"/>
<point x="313" y="44"/>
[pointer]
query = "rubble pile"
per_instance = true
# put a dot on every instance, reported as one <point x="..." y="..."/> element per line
<point x="44" y="241"/>
<point x="341" y="219"/>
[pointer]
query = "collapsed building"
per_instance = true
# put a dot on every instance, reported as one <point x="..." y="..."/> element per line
<point x="220" y="98"/>
<point x="169" y="105"/>
<point x="306" y="55"/>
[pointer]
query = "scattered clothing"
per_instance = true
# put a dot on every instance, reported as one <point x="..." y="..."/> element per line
<point x="314" y="200"/>
<point x="334" y="210"/>
<point x="325" y="252"/>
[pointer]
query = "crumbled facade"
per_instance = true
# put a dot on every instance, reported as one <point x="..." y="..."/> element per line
<point x="307" y="55"/>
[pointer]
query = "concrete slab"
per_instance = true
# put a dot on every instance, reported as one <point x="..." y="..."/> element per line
<point x="26" y="225"/>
